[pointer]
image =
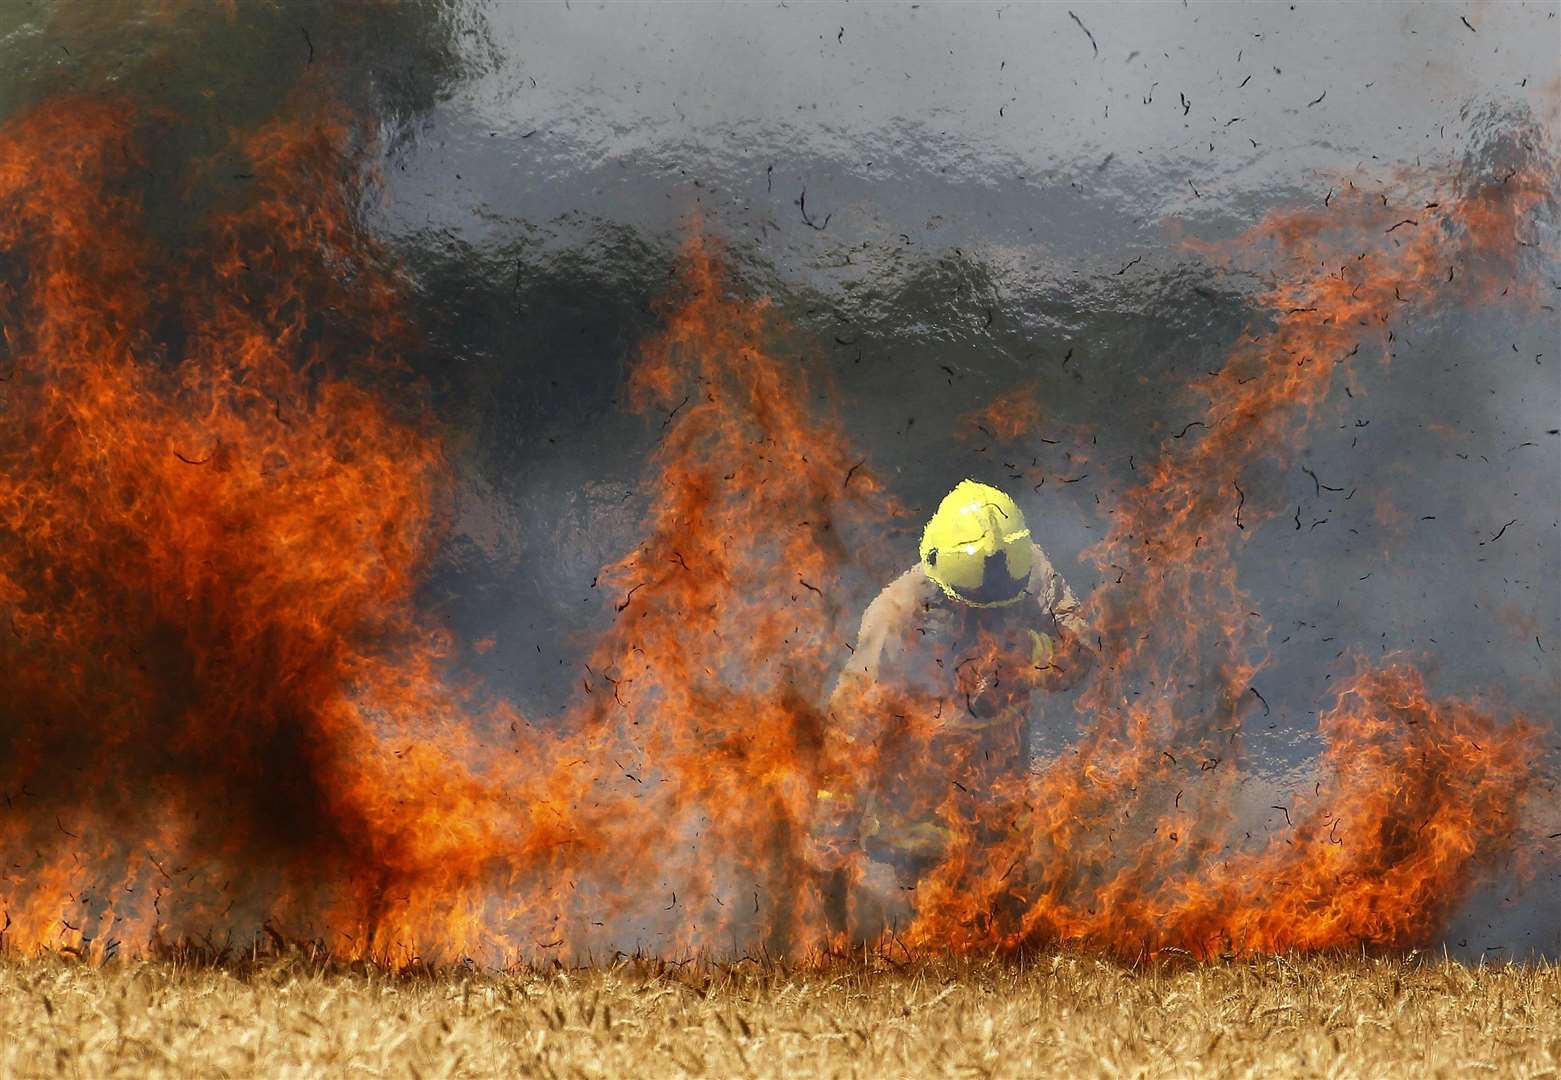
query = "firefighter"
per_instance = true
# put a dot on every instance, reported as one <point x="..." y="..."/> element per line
<point x="961" y="642"/>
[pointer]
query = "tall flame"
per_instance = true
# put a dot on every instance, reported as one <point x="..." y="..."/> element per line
<point x="1129" y="844"/>
<point x="219" y="488"/>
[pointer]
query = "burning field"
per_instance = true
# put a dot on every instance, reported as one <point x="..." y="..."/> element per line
<point x="229" y="717"/>
<point x="247" y="457"/>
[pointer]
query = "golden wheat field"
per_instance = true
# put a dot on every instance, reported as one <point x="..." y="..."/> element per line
<point x="1058" y="1015"/>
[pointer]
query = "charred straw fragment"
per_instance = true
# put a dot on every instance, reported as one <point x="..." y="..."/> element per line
<point x="852" y="472"/>
<point x="1318" y="484"/>
<point x="802" y="205"/>
<point x="665" y="423"/>
<point x="1087" y="34"/>
<point x="1499" y="533"/>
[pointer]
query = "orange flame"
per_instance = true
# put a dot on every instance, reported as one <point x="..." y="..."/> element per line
<point x="1009" y="416"/>
<point x="207" y="560"/>
<point x="1108" y="853"/>
<point x="226" y="713"/>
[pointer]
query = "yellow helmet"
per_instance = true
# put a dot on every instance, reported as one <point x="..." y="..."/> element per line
<point x="977" y="546"/>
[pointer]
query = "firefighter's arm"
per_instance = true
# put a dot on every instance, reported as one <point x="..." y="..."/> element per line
<point x="851" y="737"/>
<point x="1062" y="645"/>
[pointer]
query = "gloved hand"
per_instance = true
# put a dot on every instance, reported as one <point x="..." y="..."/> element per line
<point x="1043" y="647"/>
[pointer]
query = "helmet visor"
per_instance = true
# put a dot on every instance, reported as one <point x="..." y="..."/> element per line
<point x="998" y="584"/>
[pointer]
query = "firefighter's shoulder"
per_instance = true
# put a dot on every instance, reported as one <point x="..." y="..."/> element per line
<point x="896" y="606"/>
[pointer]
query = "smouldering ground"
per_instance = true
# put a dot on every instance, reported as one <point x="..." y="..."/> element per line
<point x="1060" y="1015"/>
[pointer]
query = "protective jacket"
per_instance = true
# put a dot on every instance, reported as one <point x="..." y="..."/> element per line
<point x="935" y="700"/>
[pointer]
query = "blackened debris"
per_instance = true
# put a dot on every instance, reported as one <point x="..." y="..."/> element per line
<point x="1317" y="483"/>
<point x="1087" y="34"/>
<point x="1499" y="533"/>
<point x="802" y="204"/>
<point x="1317" y="100"/>
<point x="630" y="596"/>
<point x="1261" y="698"/>
<point x="1406" y="221"/>
<point x="852" y="472"/>
<point x="674" y="412"/>
<point x="1285" y="810"/>
<point x="1464" y="19"/>
<point x="1242" y="502"/>
<point x="1130" y="265"/>
<point x="1182" y="433"/>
